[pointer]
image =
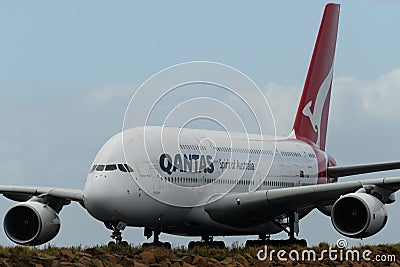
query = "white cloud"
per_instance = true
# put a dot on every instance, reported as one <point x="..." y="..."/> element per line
<point x="376" y="101"/>
<point x="283" y="100"/>
<point x="99" y="97"/>
<point x="381" y="98"/>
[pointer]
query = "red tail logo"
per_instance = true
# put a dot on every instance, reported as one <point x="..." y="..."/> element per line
<point x="312" y="114"/>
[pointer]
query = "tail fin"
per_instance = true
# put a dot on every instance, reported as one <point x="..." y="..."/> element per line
<point x="312" y="114"/>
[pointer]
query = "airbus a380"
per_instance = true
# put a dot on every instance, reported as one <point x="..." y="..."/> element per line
<point x="207" y="185"/>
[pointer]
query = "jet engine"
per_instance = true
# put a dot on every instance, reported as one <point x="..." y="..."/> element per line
<point x="31" y="223"/>
<point x="358" y="215"/>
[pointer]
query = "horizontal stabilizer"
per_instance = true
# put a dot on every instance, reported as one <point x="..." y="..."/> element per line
<point x="341" y="171"/>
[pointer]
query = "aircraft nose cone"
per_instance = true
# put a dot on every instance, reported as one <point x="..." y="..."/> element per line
<point x="99" y="198"/>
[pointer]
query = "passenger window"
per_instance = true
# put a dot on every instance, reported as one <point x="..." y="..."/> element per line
<point x="111" y="167"/>
<point x="100" y="167"/>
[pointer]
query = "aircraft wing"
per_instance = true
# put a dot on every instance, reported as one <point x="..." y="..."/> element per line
<point x="251" y="209"/>
<point x="24" y="193"/>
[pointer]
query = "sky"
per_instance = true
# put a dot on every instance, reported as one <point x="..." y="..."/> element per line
<point x="69" y="69"/>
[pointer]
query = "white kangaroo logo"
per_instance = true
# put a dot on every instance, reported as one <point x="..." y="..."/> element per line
<point x="315" y="117"/>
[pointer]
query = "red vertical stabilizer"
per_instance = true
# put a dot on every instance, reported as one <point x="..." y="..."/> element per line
<point x="312" y="114"/>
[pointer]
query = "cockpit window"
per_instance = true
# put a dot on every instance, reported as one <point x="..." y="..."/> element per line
<point x="111" y="167"/>
<point x="122" y="168"/>
<point x="125" y="168"/>
<point x="92" y="169"/>
<point x="128" y="168"/>
<point x="100" y="167"/>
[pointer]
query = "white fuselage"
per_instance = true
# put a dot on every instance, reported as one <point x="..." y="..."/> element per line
<point x="174" y="172"/>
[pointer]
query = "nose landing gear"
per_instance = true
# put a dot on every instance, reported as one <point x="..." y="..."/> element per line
<point x="117" y="228"/>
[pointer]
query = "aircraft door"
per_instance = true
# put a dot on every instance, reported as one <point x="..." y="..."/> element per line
<point x="156" y="179"/>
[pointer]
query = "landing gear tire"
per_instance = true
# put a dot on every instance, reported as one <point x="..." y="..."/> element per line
<point x="192" y="244"/>
<point x="155" y="232"/>
<point x="166" y="245"/>
<point x="124" y="244"/>
<point x="293" y="225"/>
<point x="218" y="244"/>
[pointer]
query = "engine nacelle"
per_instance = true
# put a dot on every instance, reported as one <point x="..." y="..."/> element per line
<point x="358" y="215"/>
<point x="31" y="223"/>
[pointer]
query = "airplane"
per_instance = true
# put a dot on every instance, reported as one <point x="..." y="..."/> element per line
<point x="250" y="184"/>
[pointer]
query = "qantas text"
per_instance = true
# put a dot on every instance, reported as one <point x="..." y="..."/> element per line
<point x="186" y="163"/>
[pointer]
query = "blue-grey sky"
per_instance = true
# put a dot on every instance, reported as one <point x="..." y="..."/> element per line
<point x="68" y="70"/>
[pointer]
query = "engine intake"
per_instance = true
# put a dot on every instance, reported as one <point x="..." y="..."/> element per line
<point x="31" y="223"/>
<point x="358" y="215"/>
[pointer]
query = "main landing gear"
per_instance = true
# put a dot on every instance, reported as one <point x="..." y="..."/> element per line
<point x="149" y="232"/>
<point x="291" y="227"/>
<point x="117" y="228"/>
<point x="206" y="241"/>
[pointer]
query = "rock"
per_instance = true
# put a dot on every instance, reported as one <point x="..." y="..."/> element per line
<point x="83" y="254"/>
<point x="97" y="263"/>
<point x="78" y="264"/>
<point x="5" y="262"/>
<point x="227" y="261"/>
<point x="86" y="261"/>
<point x="258" y="263"/>
<point x="187" y="259"/>
<point x="55" y="263"/>
<point x="149" y="256"/>
<point x="32" y="264"/>
<point x="247" y="255"/>
<point x="185" y="264"/>
<point x="164" y="264"/>
<point x="125" y="261"/>
<point x="110" y="260"/>
<point x="239" y="258"/>
<point x="200" y="261"/>
<point x="25" y="263"/>
<point x="66" y="264"/>
<point x="47" y="261"/>
<point x="160" y="257"/>
<point x="138" y="264"/>
<point x="67" y="253"/>
<point x="213" y="261"/>
<point x="94" y="251"/>
<point x="175" y="264"/>
<point x="176" y="260"/>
